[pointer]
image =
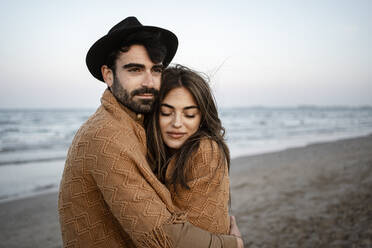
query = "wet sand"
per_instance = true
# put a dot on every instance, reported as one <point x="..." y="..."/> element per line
<point x="316" y="196"/>
<point x="30" y="222"/>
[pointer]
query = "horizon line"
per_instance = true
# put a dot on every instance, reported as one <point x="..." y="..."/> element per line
<point x="253" y="106"/>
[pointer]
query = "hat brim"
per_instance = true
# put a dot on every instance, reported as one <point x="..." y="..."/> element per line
<point x="97" y="54"/>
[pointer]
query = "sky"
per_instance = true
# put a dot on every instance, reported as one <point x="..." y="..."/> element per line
<point x="256" y="53"/>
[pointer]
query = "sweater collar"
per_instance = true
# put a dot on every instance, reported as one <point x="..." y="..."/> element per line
<point x="117" y="109"/>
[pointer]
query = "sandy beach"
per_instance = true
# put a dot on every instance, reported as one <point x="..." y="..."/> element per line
<point x="315" y="196"/>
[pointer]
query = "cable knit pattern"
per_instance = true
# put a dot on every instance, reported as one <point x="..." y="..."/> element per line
<point x="107" y="189"/>
<point x="206" y="203"/>
<point x="109" y="197"/>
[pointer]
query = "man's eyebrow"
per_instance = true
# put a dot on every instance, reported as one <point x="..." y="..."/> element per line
<point x="131" y="65"/>
<point x="161" y="66"/>
<point x="185" y="108"/>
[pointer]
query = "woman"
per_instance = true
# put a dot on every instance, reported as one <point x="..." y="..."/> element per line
<point x="187" y="149"/>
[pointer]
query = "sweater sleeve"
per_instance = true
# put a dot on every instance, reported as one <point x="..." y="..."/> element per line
<point x="142" y="205"/>
<point x="206" y="202"/>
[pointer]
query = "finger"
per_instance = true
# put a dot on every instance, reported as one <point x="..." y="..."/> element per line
<point x="232" y="220"/>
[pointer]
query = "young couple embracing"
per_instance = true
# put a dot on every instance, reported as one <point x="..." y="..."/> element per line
<point x="150" y="167"/>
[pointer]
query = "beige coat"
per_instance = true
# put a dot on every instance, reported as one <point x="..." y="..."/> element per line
<point x="109" y="196"/>
<point x="206" y="202"/>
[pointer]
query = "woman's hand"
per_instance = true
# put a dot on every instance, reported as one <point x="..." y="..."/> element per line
<point x="234" y="231"/>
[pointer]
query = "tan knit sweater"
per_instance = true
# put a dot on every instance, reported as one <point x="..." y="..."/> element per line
<point x="206" y="202"/>
<point x="109" y="196"/>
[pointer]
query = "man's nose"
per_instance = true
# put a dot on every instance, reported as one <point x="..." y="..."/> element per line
<point x="148" y="80"/>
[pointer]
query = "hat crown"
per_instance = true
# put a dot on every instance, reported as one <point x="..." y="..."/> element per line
<point x="129" y="22"/>
<point x="98" y="52"/>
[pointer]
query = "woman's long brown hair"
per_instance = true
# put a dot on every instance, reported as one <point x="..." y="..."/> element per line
<point x="210" y="125"/>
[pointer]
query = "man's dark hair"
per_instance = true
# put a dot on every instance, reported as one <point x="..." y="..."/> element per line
<point x="149" y="39"/>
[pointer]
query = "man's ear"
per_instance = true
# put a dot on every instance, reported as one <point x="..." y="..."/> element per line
<point x="108" y="75"/>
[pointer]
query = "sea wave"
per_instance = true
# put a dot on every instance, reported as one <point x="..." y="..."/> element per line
<point x="34" y="143"/>
<point x="28" y="161"/>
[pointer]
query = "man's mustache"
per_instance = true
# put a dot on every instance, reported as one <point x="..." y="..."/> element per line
<point x="145" y="91"/>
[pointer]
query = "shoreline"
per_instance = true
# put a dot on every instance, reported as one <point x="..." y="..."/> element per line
<point x="304" y="145"/>
<point x="52" y="186"/>
<point x="313" y="196"/>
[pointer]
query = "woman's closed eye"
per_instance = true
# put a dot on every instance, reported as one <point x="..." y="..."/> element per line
<point x="165" y="113"/>
<point x="191" y="113"/>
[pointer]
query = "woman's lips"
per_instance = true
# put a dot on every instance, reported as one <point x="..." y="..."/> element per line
<point x="176" y="135"/>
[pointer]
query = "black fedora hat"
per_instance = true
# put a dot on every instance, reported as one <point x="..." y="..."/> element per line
<point x="97" y="54"/>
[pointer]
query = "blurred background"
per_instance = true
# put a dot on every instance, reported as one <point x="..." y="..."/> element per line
<point x="284" y="73"/>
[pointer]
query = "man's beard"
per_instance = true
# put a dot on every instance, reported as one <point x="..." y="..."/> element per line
<point x="126" y="98"/>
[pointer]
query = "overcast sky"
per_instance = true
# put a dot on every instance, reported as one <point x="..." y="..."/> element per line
<point x="269" y="53"/>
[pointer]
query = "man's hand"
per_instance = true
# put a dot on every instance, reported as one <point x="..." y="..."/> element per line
<point x="234" y="231"/>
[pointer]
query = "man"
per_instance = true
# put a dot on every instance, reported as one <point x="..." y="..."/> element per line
<point x="109" y="196"/>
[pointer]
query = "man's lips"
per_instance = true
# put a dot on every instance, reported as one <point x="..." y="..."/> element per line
<point x="176" y="135"/>
<point x="145" y="95"/>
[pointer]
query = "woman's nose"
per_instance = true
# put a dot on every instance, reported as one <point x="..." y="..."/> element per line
<point x="177" y="121"/>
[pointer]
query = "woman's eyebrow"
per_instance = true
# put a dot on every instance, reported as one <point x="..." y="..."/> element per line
<point x="190" y="107"/>
<point x="185" y="108"/>
<point x="167" y="105"/>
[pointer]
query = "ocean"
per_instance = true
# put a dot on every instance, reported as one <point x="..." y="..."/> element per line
<point x="34" y="143"/>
